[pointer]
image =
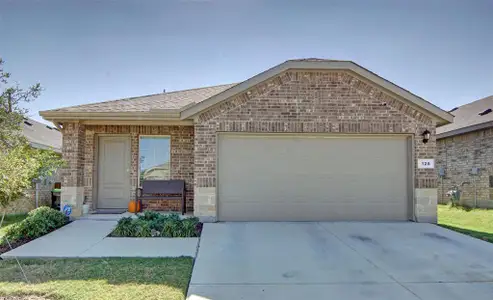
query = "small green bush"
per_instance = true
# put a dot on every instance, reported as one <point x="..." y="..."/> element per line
<point x="37" y="223"/>
<point x="124" y="227"/>
<point x="149" y="215"/>
<point x="172" y="217"/>
<point x="152" y="224"/>
<point x="142" y="228"/>
<point x="189" y="226"/>
<point x="172" y="228"/>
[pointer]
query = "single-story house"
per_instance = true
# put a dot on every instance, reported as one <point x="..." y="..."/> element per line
<point x="308" y="139"/>
<point x="465" y="154"/>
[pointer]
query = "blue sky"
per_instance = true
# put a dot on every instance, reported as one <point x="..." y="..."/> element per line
<point x="90" y="51"/>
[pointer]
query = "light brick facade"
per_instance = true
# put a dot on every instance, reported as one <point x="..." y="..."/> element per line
<point x="331" y="102"/>
<point x="307" y="102"/>
<point x="80" y="152"/>
<point x="457" y="155"/>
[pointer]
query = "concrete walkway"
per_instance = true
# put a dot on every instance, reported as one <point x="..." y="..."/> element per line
<point x="88" y="238"/>
<point x="345" y="260"/>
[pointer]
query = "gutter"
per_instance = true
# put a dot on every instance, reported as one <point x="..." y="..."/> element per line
<point x="153" y="114"/>
<point x="464" y="130"/>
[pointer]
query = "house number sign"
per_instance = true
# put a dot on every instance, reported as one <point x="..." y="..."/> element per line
<point x="426" y="163"/>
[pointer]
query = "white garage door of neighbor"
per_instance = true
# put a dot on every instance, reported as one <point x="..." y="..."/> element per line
<point x="312" y="177"/>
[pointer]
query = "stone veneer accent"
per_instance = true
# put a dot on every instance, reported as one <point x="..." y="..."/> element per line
<point x="79" y="150"/>
<point x="307" y="102"/>
<point x="458" y="155"/>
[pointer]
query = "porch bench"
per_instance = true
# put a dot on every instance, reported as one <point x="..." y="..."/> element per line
<point x="163" y="190"/>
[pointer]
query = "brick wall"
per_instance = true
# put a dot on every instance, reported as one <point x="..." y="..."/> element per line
<point x="302" y="101"/>
<point x="458" y="155"/>
<point x="79" y="149"/>
<point x="73" y="149"/>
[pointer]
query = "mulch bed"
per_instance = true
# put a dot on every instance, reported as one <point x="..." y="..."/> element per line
<point x="5" y="247"/>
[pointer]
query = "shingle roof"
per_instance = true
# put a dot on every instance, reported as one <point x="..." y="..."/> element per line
<point x="42" y="136"/>
<point x="184" y="104"/>
<point x="169" y="100"/>
<point x="467" y="117"/>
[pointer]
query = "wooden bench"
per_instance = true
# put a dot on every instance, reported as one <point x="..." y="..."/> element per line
<point x="163" y="190"/>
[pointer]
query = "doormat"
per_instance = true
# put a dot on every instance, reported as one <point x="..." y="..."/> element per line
<point x="109" y="211"/>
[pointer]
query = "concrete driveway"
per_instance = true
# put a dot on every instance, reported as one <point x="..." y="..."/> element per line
<point x="342" y="260"/>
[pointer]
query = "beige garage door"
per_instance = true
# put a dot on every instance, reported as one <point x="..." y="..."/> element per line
<point x="312" y="178"/>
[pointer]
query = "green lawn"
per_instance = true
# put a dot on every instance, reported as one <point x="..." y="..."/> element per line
<point x="475" y="222"/>
<point x="91" y="279"/>
<point x="9" y="220"/>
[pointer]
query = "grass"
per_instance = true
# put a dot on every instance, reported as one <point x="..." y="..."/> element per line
<point x="92" y="279"/>
<point x="474" y="222"/>
<point x="9" y="221"/>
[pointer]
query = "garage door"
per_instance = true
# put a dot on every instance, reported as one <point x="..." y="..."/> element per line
<point x="312" y="178"/>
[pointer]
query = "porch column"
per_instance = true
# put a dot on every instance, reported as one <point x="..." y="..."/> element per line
<point x="73" y="147"/>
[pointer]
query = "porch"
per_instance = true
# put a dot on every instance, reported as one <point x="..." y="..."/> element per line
<point x="105" y="164"/>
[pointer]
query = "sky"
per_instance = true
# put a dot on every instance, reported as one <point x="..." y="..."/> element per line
<point x="92" y="51"/>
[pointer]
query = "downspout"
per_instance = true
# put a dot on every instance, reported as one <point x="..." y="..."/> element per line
<point x="57" y="125"/>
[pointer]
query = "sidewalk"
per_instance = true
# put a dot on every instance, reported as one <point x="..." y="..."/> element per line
<point x="88" y="238"/>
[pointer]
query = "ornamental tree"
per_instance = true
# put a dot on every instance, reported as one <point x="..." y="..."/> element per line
<point x="19" y="163"/>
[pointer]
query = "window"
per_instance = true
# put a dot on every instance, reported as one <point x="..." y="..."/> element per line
<point x="154" y="161"/>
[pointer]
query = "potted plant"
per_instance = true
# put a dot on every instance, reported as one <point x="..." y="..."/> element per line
<point x="85" y="208"/>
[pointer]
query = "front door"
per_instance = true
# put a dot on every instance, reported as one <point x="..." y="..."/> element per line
<point x="113" y="172"/>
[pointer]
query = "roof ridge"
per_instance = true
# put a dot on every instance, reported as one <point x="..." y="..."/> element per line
<point x="482" y="99"/>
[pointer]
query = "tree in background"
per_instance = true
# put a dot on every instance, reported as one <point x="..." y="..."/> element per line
<point x="19" y="163"/>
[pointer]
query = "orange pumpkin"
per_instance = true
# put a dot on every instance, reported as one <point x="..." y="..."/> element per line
<point x="134" y="206"/>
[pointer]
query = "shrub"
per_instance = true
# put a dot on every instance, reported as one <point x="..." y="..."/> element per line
<point x="156" y="225"/>
<point x="55" y="217"/>
<point x="37" y="223"/>
<point x="172" y="217"/>
<point x="172" y="228"/>
<point x="152" y="224"/>
<point x="150" y="216"/>
<point x="189" y="226"/>
<point x="142" y="228"/>
<point x="124" y="227"/>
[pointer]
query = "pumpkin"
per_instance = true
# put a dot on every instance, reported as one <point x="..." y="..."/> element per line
<point x="134" y="206"/>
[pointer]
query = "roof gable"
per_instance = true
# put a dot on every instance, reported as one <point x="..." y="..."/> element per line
<point x="439" y="115"/>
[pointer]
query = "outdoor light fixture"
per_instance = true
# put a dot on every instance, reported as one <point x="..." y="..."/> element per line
<point x="426" y="136"/>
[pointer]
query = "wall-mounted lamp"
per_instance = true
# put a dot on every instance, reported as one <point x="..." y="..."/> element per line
<point x="426" y="136"/>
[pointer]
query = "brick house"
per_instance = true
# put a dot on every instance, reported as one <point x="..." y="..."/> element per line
<point x="305" y="140"/>
<point x="465" y="153"/>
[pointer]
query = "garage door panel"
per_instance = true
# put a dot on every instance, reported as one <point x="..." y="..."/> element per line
<point x="314" y="212"/>
<point x="300" y="178"/>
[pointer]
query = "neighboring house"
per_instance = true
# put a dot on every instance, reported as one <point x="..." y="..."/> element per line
<point x="465" y="153"/>
<point x="305" y="140"/>
<point x="156" y="172"/>
<point x="40" y="136"/>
